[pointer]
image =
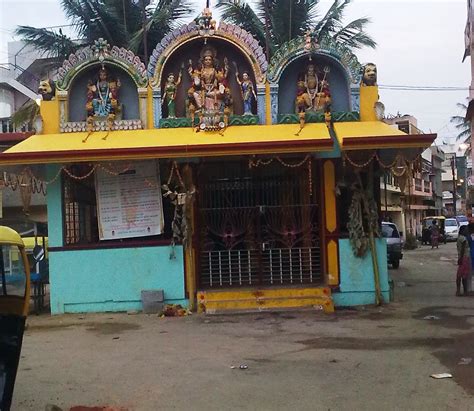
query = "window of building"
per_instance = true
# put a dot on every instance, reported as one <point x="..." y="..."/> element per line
<point x="80" y="209"/>
<point x="418" y="184"/>
<point x="404" y="126"/>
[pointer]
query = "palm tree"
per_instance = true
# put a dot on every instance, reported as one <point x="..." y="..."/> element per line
<point x="463" y="125"/>
<point x="288" y="19"/>
<point x="122" y="23"/>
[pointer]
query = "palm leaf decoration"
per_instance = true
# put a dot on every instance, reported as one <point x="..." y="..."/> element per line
<point x="462" y="125"/>
<point x="121" y="22"/>
<point x="168" y="15"/>
<point x="51" y="43"/>
<point x="289" y="19"/>
<point x="26" y="114"/>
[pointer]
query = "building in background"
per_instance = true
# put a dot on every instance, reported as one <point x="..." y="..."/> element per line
<point x="454" y="179"/>
<point x="469" y="51"/>
<point x="404" y="202"/>
<point x="19" y="79"/>
<point x="437" y="158"/>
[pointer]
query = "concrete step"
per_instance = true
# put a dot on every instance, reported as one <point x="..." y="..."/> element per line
<point x="264" y="299"/>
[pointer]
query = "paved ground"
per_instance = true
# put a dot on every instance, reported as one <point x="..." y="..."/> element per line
<point x="367" y="359"/>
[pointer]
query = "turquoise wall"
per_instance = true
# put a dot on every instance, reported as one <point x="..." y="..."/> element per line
<point x="55" y="211"/>
<point x="112" y="279"/>
<point x="106" y="279"/>
<point x="357" y="285"/>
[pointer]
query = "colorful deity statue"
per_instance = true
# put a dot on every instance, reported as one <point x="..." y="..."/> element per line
<point x="302" y="101"/>
<point x="247" y="91"/>
<point x="205" y="86"/>
<point x="102" y="98"/>
<point x="313" y="90"/>
<point x="169" y="94"/>
<point x="209" y="94"/>
<point x="311" y="83"/>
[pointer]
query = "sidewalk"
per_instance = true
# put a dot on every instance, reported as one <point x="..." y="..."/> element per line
<point x="370" y="358"/>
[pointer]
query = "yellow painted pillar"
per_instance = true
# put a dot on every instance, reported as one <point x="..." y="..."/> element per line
<point x="150" y="119"/>
<point x="189" y="252"/>
<point x="369" y="95"/>
<point x="330" y="223"/>
<point x="268" y="105"/>
<point x="49" y="111"/>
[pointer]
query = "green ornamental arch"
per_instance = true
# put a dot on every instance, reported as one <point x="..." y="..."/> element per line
<point x="305" y="46"/>
<point x="101" y="53"/>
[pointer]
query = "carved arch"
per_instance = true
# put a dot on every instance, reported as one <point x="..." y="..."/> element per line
<point x="297" y="47"/>
<point x="238" y="37"/>
<point x="101" y="53"/>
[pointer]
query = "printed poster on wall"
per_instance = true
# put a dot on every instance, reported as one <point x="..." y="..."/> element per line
<point x="129" y="202"/>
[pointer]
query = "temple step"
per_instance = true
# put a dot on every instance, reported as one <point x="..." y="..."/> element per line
<point x="264" y="299"/>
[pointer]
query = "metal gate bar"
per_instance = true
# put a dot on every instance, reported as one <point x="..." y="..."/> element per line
<point x="257" y="228"/>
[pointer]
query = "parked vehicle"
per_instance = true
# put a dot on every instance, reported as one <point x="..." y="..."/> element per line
<point x="462" y="220"/>
<point x="14" y="305"/>
<point x="427" y="222"/>
<point x="394" y="243"/>
<point x="451" y="229"/>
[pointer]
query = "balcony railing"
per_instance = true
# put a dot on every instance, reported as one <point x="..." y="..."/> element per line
<point x="25" y="77"/>
<point x="7" y="126"/>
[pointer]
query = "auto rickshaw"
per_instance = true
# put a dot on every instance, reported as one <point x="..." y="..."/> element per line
<point x="427" y="222"/>
<point x="14" y="305"/>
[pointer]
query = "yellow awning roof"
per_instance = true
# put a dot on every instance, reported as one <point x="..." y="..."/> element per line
<point x="377" y="134"/>
<point x="168" y="143"/>
<point x="185" y="142"/>
<point x="10" y="236"/>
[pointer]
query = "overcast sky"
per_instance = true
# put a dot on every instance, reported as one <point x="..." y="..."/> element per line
<point x="420" y="43"/>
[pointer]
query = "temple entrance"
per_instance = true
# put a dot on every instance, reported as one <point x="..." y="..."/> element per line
<point x="258" y="226"/>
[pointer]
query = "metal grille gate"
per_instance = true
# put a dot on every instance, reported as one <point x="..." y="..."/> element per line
<point x="257" y="227"/>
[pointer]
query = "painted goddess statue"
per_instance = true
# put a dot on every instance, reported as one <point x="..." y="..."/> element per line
<point x="206" y="90"/>
<point x="247" y="90"/>
<point x="171" y="86"/>
<point x="102" y="96"/>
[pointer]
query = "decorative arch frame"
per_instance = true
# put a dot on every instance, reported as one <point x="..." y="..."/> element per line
<point x="101" y="53"/>
<point x="239" y="38"/>
<point x="299" y="47"/>
<point x="296" y="48"/>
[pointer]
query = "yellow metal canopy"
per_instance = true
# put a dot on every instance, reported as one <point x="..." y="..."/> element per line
<point x="377" y="134"/>
<point x="168" y="143"/>
<point x="185" y="142"/>
<point x="10" y="236"/>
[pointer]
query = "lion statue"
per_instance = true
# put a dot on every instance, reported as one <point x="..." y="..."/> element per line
<point x="369" y="75"/>
<point x="47" y="89"/>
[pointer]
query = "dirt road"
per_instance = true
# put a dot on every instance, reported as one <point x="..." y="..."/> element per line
<point x="365" y="359"/>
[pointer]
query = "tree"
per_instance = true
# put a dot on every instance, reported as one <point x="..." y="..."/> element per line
<point x="288" y="19"/>
<point x="122" y="23"/>
<point x="463" y="125"/>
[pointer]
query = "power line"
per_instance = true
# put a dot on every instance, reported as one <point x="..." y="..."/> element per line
<point x="422" y="88"/>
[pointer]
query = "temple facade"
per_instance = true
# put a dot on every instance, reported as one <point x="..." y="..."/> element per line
<point x="228" y="181"/>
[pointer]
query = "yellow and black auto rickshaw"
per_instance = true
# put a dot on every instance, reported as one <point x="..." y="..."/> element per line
<point x="14" y="306"/>
<point x="427" y="223"/>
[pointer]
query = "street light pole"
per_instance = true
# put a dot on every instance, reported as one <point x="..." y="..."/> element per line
<point x="453" y="170"/>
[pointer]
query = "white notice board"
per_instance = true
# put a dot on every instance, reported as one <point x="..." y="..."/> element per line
<point x="129" y="204"/>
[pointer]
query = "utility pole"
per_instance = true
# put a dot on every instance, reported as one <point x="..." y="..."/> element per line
<point x="453" y="170"/>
